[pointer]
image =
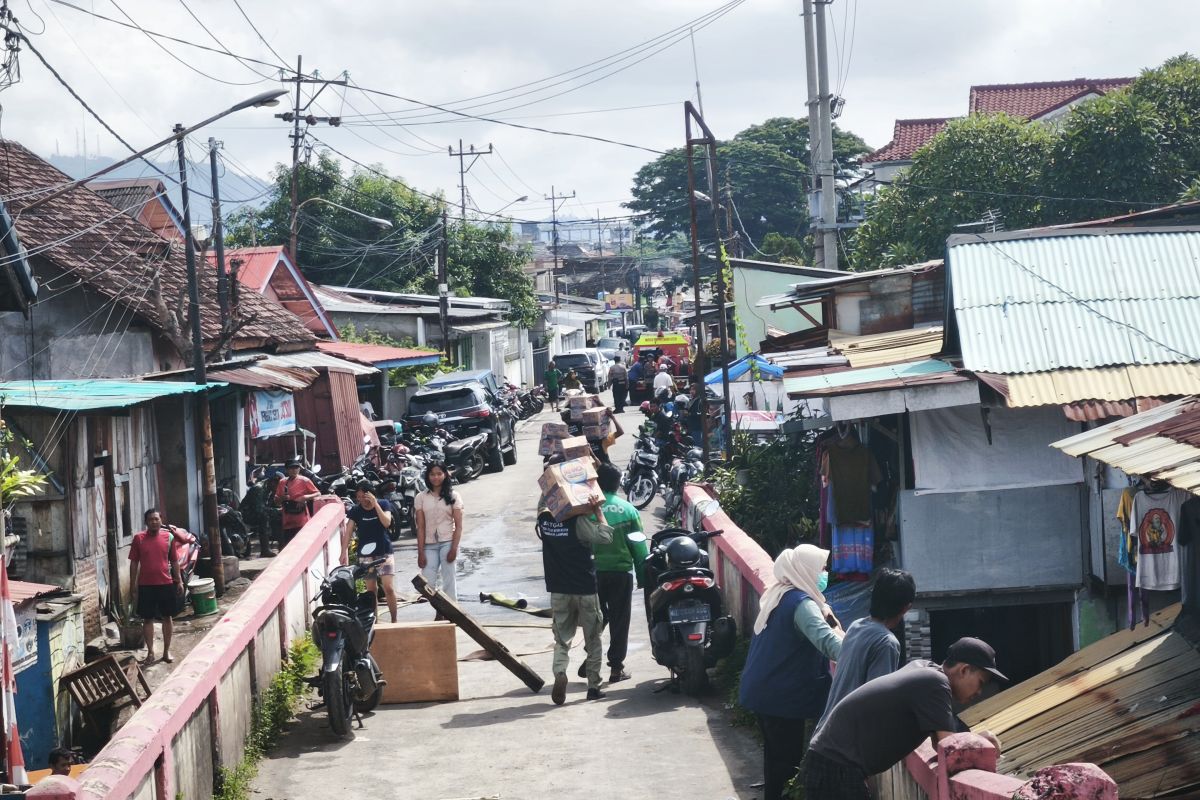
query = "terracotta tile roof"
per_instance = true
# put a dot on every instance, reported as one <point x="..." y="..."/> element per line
<point x="257" y="264"/>
<point x="116" y="257"/>
<point x="908" y="137"/>
<point x="1032" y="100"/>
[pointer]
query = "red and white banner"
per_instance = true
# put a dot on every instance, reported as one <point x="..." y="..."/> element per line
<point x="271" y="413"/>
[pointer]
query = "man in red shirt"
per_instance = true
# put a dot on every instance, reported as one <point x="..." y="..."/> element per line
<point x="155" y="580"/>
<point x="293" y="494"/>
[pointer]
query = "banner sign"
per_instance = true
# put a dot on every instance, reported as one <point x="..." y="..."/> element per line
<point x="271" y="413"/>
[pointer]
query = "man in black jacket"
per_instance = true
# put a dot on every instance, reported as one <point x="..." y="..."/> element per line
<point x="571" y="581"/>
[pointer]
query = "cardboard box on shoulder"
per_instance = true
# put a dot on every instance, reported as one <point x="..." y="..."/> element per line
<point x="551" y="433"/>
<point x="577" y="404"/>
<point x="568" y="487"/>
<point x="596" y="423"/>
<point x="573" y="447"/>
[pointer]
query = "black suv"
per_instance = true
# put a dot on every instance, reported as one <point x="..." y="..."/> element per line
<point x="585" y="369"/>
<point x="466" y="408"/>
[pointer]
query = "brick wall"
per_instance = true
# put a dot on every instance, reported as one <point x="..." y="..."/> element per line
<point x="85" y="586"/>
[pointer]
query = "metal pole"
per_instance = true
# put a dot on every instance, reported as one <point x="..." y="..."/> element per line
<point x="444" y="285"/>
<point x="814" y="134"/>
<point x="218" y="235"/>
<point x="554" y="228"/>
<point x="296" y="164"/>
<point x="204" y="431"/>
<point x="701" y="362"/>
<point x="462" y="183"/>
<point x="828" y="188"/>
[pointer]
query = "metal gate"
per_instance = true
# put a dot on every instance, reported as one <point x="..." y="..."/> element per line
<point x="541" y="359"/>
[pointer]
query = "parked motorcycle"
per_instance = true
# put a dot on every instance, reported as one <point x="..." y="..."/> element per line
<point x="187" y="552"/>
<point x="689" y="630"/>
<point x="683" y="470"/>
<point x="235" y="536"/>
<point x="640" y="480"/>
<point x="350" y="682"/>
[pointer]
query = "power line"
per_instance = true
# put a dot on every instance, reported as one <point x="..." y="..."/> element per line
<point x="219" y="43"/>
<point x="261" y="38"/>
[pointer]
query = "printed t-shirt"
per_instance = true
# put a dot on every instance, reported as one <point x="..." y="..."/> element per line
<point x="617" y="556"/>
<point x="439" y="517"/>
<point x="368" y="529"/>
<point x="884" y="720"/>
<point x="152" y="552"/>
<point x="1156" y="524"/>
<point x="294" y="489"/>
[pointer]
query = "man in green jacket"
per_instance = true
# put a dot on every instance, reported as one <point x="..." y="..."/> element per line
<point x="614" y="560"/>
<point x="552" y="377"/>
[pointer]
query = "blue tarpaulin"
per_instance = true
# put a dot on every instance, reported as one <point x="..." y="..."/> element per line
<point x="740" y="367"/>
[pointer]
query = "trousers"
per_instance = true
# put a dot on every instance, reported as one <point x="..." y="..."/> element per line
<point x="784" y="741"/>
<point x="619" y="390"/>
<point x="437" y="566"/>
<point x="615" y="591"/>
<point x="573" y="611"/>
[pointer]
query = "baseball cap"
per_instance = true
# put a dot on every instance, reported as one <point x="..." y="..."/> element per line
<point x="291" y="462"/>
<point x="977" y="653"/>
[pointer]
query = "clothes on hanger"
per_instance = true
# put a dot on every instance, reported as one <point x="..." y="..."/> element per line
<point x="1155" y="524"/>
<point x="1127" y="557"/>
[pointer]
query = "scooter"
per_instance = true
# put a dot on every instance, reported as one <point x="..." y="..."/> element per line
<point x="683" y="470"/>
<point x="235" y="537"/>
<point x="640" y="480"/>
<point x="689" y="630"/>
<point x="350" y="682"/>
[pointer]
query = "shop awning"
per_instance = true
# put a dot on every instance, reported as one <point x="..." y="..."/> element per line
<point x="380" y="355"/>
<point x="91" y="395"/>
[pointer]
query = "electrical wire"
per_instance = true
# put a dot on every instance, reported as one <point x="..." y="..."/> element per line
<point x="221" y="44"/>
<point x="354" y="121"/>
<point x="261" y="38"/>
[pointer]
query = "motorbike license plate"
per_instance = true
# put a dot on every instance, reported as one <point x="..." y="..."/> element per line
<point x="686" y="614"/>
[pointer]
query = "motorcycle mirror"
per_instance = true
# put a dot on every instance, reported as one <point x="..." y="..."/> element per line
<point x="316" y="468"/>
<point x="367" y="549"/>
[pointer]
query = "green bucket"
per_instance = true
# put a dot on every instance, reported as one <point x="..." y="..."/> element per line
<point x="204" y="596"/>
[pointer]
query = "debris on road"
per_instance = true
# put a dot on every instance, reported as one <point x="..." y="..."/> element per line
<point x="518" y="604"/>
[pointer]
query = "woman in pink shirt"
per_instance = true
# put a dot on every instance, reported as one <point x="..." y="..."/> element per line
<point x="439" y="529"/>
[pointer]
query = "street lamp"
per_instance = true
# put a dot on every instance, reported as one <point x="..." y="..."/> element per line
<point x="382" y="223"/>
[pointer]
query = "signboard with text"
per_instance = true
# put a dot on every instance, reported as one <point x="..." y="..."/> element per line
<point x="271" y="413"/>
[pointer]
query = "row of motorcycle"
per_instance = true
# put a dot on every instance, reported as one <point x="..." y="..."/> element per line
<point x="523" y="403"/>
<point x="661" y="464"/>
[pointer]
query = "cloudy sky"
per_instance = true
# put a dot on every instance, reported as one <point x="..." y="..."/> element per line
<point x="888" y="58"/>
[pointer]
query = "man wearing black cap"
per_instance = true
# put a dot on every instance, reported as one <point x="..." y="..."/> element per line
<point x="882" y="721"/>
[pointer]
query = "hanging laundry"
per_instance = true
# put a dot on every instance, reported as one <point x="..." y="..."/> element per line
<point x="1155" y="523"/>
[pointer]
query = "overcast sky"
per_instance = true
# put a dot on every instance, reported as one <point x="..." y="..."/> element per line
<point x="891" y="59"/>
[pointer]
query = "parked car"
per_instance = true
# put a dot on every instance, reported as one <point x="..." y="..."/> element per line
<point x="467" y="407"/>
<point x="589" y="366"/>
<point x="483" y="376"/>
<point x="612" y="346"/>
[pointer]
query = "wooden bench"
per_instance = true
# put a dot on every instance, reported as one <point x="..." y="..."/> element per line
<point x="105" y="682"/>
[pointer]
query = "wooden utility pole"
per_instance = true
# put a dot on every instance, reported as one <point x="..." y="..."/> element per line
<point x="463" y="169"/>
<point x="554" y="198"/>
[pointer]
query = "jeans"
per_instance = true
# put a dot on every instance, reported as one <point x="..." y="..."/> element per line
<point x="436" y="564"/>
<point x="573" y="611"/>
<point x="615" y="591"/>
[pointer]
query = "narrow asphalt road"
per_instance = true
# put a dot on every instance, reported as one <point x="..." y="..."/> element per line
<point x="500" y="740"/>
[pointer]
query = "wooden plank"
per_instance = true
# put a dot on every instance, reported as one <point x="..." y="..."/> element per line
<point x="462" y="619"/>
<point x="419" y="660"/>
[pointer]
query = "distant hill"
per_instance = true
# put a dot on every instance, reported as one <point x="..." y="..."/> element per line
<point x="236" y="187"/>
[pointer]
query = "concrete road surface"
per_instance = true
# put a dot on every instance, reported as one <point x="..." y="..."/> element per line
<point x="500" y="740"/>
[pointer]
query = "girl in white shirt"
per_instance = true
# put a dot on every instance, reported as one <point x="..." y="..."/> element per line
<point x="439" y="529"/>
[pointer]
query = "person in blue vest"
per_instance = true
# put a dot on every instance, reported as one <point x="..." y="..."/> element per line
<point x="786" y="678"/>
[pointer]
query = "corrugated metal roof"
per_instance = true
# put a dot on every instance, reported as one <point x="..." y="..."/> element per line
<point x="380" y="355"/>
<point x="24" y="590"/>
<point x="267" y="377"/>
<point x="477" y="327"/>
<point x="1085" y="298"/>
<point x="917" y="370"/>
<point x="887" y="348"/>
<point x="816" y="288"/>
<point x="1105" y="383"/>
<point x="317" y="360"/>
<point x="91" y="395"/>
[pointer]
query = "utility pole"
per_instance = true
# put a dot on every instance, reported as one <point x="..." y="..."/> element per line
<point x="218" y="235"/>
<point x="210" y="552"/>
<point x="444" y="285"/>
<point x="814" y="133"/>
<point x="600" y="248"/>
<point x="735" y="236"/>
<point x="296" y="116"/>
<point x="829" y="201"/>
<point x="463" y="169"/>
<point x="554" y="198"/>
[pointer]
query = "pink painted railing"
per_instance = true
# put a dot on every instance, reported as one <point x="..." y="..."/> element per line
<point x="198" y="720"/>
<point x="742" y="568"/>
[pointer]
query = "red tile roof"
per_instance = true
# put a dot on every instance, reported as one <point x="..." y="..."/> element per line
<point x="258" y="268"/>
<point x="375" y="354"/>
<point x="118" y="258"/>
<point x="257" y="264"/>
<point x="908" y="137"/>
<point x="1032" y="100"/>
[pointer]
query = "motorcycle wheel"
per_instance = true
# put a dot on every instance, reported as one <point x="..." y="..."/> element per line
<point x="695" y="676"/>
<point x="642" y="491"/>
<point x="336" y="692"/>
<point x="474" y="466"/>
<point x="672" y="503"/>
<point x="369" y="702"/>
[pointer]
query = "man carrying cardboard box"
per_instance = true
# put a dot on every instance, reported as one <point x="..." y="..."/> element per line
<point x="571" y="580"/>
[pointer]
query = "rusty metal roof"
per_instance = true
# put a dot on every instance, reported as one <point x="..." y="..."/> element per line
<point x="268" y="377"/>
<point x="22" y="591"/>
<point x="1061" y="299"/>
<point x="317" y="360"/>
<point x="380" y="355"/>
<point x="1105" y="383"/>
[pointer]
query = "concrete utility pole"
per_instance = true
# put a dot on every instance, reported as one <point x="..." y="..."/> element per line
<point x="554" y="198"/>
<point x="296" y="116"/>
<point x="463" y="169"/>
<point x="814" y="132"/>
<point x="444" y="284"/>
<point x="829" y="200"/>
<point x="218" y="237"/>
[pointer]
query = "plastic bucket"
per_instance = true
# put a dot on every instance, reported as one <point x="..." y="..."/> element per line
<point x="204" y="596"/>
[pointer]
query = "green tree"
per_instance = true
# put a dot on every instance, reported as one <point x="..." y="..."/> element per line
<point x="765" y="167"/>
<point x="489" y="262"/>
<point x="1174" y="91"/>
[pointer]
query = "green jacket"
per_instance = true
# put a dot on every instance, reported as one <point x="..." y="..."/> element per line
<point x="619" y="555"/>
<point x="552" y="376"/>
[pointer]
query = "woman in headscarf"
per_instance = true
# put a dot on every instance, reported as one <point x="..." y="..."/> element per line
<point x="786" y="678"/>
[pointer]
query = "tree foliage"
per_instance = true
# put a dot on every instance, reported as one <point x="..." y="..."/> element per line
<point x="765" y="167"/>
<point x="344" y="249"/>
<point x="1123" y="152"/>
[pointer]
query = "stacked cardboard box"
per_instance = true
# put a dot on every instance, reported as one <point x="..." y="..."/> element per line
<point x="596" y="423"/>
<point x="568" y="487"/>
<point x="577" y="404"/>
<point x="573" y="447"/>
<point x="552" y="432"/>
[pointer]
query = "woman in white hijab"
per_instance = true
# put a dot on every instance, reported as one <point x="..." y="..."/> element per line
<point x="786" y="678"/>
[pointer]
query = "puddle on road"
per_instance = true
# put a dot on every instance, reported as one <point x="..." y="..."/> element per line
<point x="470" y="559"/>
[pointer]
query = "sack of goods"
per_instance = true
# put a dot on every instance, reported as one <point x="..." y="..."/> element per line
<point x="573" y="447"/>
<point x="551" y="433"/>
<point x="580" y="403"/>
<point x="596" y="423"/>
<point x="567" y="487"/>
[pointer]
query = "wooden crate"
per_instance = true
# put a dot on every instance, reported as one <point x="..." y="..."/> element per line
<point x="418" y="659"/>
